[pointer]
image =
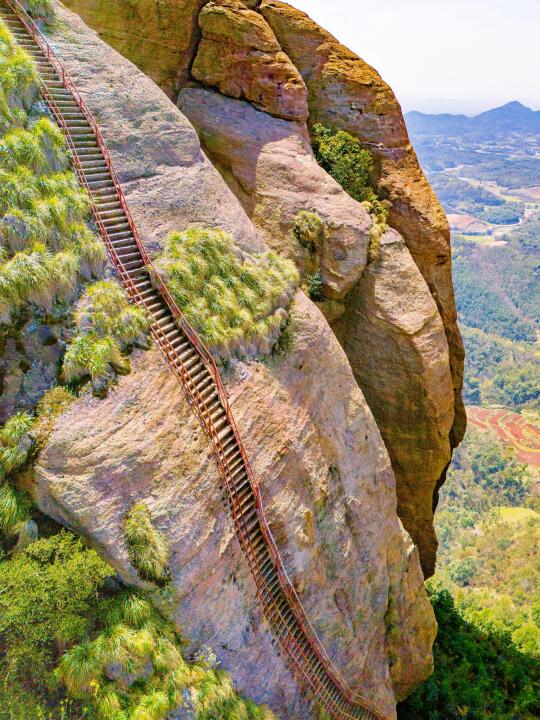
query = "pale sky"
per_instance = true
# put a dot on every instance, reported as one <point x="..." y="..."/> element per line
<point x="443" y="55"/>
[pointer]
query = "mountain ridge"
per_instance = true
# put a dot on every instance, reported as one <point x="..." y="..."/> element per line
<point x="513" y="116"/>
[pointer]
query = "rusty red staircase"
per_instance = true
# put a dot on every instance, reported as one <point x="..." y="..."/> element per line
<point x="197" y="372"/>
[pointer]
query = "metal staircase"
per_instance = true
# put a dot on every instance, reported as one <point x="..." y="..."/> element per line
<point x="199" y="377"/>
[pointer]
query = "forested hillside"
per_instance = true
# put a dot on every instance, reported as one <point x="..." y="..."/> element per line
<point x="486" y="592"/>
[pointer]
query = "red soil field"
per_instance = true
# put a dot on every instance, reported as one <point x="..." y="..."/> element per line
<point x="512" y="428"/>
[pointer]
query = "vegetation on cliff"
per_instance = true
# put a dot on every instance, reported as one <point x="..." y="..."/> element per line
<point x="147" y="548"/>
<point x="76" y="643"/>
<point x="106" y="325"/>
<point x="342" y="156"/>
<point x="233" y="300"/>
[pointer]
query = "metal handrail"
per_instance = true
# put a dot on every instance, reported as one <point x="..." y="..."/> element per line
<point x="200" y="404"/>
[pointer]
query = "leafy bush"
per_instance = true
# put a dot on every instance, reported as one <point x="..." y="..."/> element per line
<point x="74" y="645"/>
<point x="147" y="548"/>
<point x="343" y="157"/>
<point x="230" y="298"/>
<point x="315" y="287"/>
<point x="106" y="325"/>
<point x="309" y="231"/>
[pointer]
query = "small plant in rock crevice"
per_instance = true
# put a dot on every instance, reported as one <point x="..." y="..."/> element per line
<point x="147" y="548"/>
<point x="314" y="287"/>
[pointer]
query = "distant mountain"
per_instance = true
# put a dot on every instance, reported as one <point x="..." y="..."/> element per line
<point x="509" y="118"/>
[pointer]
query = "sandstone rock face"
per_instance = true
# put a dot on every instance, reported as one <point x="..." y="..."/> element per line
<point x="395" y="340"/>
<point x="270" y="165"/>
<point x="159" y="37"/>
<point x="330" y="499"/>
<point x="240" y="55"/>
<point x="157" y="154"/>
<point x="345" y="92"/>
<point x="317" y="453"/>
<point x="402" y="365"/>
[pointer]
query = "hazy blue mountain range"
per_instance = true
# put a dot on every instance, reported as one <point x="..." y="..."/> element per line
<point x="514" y="117"/>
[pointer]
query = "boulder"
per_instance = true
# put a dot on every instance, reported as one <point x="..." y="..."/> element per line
<point x="240" y="55"/>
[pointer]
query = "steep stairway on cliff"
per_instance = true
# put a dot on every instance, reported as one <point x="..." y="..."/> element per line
<point x="196" y="370"/>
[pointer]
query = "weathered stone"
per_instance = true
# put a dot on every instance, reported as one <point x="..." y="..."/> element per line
<point x="240" y="55"/>
<point x="395" y="341"/>
<point x="159" y="37"/>
<point x="329" y="495"/>
<point x="323" y="470"/>
<point x="269" y="164"/>
<point x="347" y="93"/>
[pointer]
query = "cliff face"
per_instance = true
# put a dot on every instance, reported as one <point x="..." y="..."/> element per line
<point x="268" y="56"/>
<point x="324" y="471"/>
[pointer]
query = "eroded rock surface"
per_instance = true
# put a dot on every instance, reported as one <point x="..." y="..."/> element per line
<point x="316" y="450"/>
<point x="330" y="499"/>
<point x="345" y="92"/>
<point x="240" y="55"/>
<point x="395" y="341"/>
<point x="270" y="165"/>
<point x="159" y="37"/>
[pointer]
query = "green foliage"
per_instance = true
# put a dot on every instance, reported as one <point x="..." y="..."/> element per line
<point x="106" y="325"/>
<point x="500" y="372"/>
<point x="478" y="673"/>
<point x="43" y="236"/>
<point x="343" y="157"/>
<point x="229" y="298"/>
<point x="315" y="287"/>
<point x="15" y="443"/>
<point x="48" y="599"/>
<point x="309" y="231"/>
<point x="18" y="81"/>
<point x="147" y="548"/>
<point x="496" y="290"/>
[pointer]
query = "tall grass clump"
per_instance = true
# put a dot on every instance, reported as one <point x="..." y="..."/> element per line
<point x="106" y="325"/>
<point x="16" y="443"/>
<point x="343" y="157"/>
<point x="134" y="670"/>
<point x="147" y="548"/>
<point x="18" y="81"/>
<point x="236" y="302"/>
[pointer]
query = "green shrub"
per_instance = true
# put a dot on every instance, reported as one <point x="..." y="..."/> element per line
<point x="479" y="672"/>
<point x="343" y="157"/>
<point x="106" y="325"/>
<point x="309" y="230"/>
<point x="147" y="548"/>
<point x="230" y="298"/>
<point x="314" y="287"/>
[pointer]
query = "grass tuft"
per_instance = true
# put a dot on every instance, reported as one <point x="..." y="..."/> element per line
<point x="147" y="548"/>
<point x="229" y="297"/>
<point x="106" y="325"/>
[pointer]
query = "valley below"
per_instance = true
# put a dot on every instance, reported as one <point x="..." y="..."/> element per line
<point x="486" y="591"/>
